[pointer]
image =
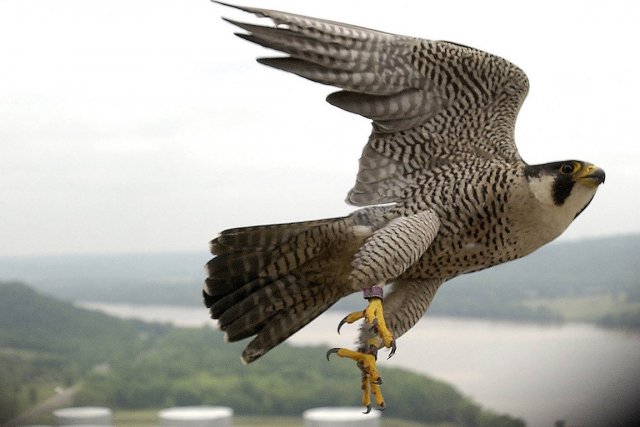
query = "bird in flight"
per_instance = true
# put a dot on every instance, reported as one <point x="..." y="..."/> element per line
<point x="442" y="188"/>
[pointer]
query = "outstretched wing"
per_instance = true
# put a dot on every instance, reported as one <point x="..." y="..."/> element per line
<point x="431" y="102"/>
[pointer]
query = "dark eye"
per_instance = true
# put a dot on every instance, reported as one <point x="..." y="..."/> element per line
<point x="567" y="169"/>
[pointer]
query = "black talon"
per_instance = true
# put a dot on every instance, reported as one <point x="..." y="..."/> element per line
<point x="368" y="409"/>
<point x="381" y="408"/>
<point x="393" y="349"/>
<point x="342" y="322"/>
<point x="378" y="381"/>
<point x="332" y="350"/>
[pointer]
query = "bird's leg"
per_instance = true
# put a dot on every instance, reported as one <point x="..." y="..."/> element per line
<point x="366" y="361"/>
<point x="374" y="316"/>
<point x="366" y="356"/>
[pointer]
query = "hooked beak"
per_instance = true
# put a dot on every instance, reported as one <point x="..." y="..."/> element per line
<point x="590" y="175"/>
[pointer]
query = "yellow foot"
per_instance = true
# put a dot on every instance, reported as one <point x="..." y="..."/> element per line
<point x="371" y="379"/>
<point x="374" y="316"/>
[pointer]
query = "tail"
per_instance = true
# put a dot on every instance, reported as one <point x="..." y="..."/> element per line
<point x="272" y="280"/>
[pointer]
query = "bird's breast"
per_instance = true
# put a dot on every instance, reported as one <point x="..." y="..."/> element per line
<point x="492" y="225"/>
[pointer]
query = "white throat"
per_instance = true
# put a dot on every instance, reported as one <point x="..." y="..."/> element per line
<point x="556" y="218"/>
<point x="541" y="187"/>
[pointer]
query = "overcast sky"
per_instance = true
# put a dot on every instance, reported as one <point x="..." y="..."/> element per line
<point x="147" y="126"/>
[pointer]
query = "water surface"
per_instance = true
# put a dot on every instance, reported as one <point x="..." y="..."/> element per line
<point x="580" y="373"/>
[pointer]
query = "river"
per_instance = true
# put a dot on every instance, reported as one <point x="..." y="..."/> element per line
<point x="580" y="373"/>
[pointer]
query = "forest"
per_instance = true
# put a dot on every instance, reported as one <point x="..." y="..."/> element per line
<point x="122" y="364"/>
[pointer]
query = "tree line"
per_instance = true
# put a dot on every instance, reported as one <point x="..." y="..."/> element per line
<point x="135" y="365"/>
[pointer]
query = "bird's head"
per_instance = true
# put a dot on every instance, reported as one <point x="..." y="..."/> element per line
<point x="568" y="185"/>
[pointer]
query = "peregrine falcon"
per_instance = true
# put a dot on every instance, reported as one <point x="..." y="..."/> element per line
<point x="442" y="187"/>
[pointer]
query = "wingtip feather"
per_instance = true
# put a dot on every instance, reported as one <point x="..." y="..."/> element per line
<point x="263" y="13"/>
<point x="243" y="8"/>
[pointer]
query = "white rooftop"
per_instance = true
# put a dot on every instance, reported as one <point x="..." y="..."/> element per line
<point x="339" y="414"/>
<point x="196" y="412"/>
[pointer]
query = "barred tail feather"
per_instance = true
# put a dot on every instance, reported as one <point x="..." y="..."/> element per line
<point x="272" y="280"/>
<point x="282" y="326"/>
<point x="261" y="237"/>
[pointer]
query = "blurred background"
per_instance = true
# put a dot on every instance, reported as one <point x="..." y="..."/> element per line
<point x="131" y="133"/>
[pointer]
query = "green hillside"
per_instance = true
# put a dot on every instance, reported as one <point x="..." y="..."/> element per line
<point x="596" y="280"/>
<point x="134" y="365"/>
<point x="45" y="343"/>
